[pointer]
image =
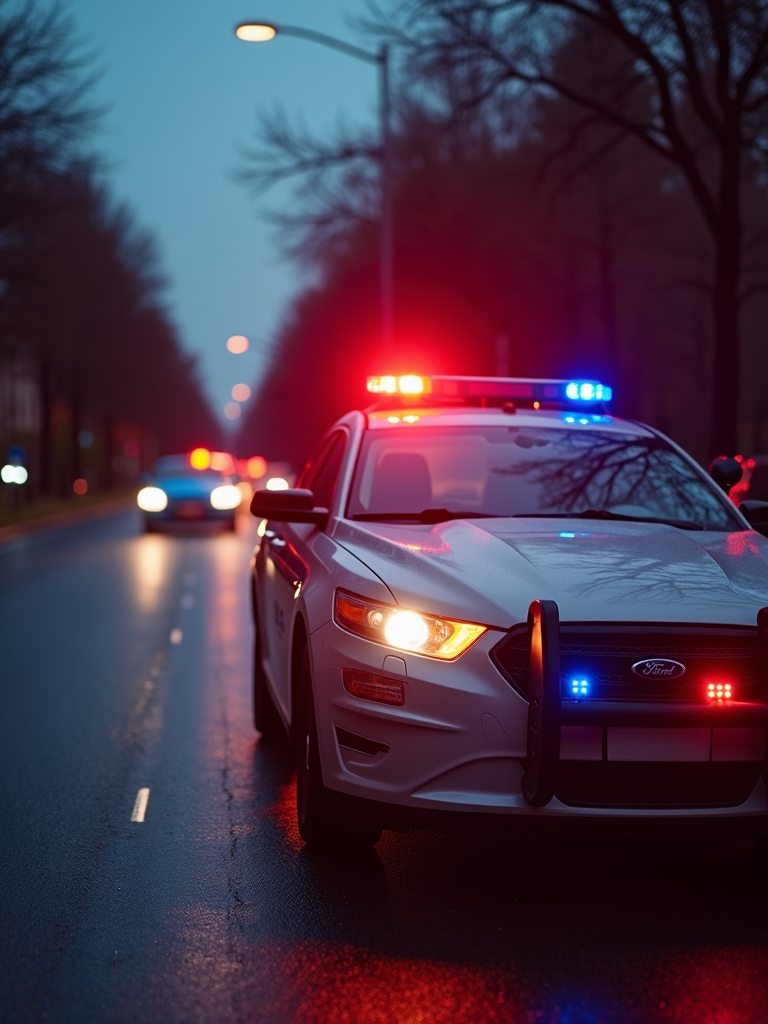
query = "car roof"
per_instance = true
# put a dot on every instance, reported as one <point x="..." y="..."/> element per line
<point x="403" y="418"/>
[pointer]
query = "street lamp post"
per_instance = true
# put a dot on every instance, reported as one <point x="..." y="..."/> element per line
<point x="262" y="32"/>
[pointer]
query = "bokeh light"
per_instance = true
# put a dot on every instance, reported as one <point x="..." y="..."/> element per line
<point x="241" y="392"/>
<point x="232" y="411"/>
<point x="225" y="497"/>
<point x="277" y="483"/>
<point x="200" y="458"/>
<point x="152" y="499"/>
<point x="80" y="486"/>
<point x="257" y="467"/>
<point x="11" y="474"/>
<point x="237" y="344"/>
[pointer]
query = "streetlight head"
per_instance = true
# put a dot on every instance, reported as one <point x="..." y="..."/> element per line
<point x="255" y="32"/>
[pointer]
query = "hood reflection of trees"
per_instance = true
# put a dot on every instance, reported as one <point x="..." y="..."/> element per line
<point x="594" y="470"/>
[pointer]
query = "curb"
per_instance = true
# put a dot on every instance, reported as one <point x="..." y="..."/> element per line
<point x="66" y="518"/>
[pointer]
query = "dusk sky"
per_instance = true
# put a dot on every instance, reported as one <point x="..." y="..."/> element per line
<point x="182" y="94"/>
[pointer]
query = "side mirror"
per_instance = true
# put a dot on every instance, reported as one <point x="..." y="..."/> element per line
<point x="726" y="472"/>
<point x="756" y="514"/>
<point x="294" y="505"/>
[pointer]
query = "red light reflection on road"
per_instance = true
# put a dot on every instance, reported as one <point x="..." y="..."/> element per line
<point x="712" y="986"/>
<point x="283" y="812"/>
<point x="323" y="983"/>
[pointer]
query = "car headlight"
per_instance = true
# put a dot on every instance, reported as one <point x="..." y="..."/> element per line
<point x="226" y="496"/>
<point x="152" y="499"/>
<point x="404" y="629"/>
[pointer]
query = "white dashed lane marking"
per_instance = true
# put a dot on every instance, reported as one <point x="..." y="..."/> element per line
<point x="140" y="807"/>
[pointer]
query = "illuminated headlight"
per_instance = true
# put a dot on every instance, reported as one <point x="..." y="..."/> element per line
<point x="152" y="499"/>
<point x="226" y="496"/>
<point x="406" y="630"/>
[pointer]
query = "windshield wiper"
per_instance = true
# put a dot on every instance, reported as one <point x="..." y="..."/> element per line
<point x="427" y="515"/>
<point x="603" y="513"/>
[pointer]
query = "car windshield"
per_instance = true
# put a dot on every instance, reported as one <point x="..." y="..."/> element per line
<point x="530" y="471"/>
<point x="178" y="465"/>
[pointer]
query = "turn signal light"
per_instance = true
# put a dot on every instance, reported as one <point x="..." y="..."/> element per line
<point x="373" y="687"/>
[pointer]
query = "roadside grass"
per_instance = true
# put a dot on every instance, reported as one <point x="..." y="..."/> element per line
<point x="16" y="509"/>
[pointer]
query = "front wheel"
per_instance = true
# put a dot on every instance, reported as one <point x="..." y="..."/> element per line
<point x="322" y="823"/>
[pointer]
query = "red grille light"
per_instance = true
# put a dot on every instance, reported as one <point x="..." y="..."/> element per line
<point x="719" y="691"/>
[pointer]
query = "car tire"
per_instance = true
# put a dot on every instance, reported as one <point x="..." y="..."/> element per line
<point x="266" y="718"/>
<point x="323" y="825"/>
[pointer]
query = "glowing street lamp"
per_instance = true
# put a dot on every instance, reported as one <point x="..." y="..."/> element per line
<point x="237" y="344"/>
<point x="263" y="32"/>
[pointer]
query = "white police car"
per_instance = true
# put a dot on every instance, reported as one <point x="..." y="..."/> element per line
<point x="488" y="599"/>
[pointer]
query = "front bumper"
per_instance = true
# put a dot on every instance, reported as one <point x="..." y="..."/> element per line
<point x="193" y="510"/>
<point x="460" y="746"/>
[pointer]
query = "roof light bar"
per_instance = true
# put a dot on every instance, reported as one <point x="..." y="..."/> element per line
<point x="520" y="389"/>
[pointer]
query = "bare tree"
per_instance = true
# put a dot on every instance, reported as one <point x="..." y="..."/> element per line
<point x="45" y="110"/>
<point x="693" y="87"/>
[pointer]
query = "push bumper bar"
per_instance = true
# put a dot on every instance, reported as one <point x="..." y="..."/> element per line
<point x="547" y="711"/>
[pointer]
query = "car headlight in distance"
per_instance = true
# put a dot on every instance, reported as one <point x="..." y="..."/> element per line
<point x="152" y="499"/>
<point x="404" y="629"/>
<point x="226" y="496"/>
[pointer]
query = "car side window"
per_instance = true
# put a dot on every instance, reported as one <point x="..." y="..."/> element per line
<point x="311" y="470"/>
<point x="324" y="483"/>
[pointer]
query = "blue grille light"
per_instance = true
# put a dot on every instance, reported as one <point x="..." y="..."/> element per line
<point x="580" y="687"/>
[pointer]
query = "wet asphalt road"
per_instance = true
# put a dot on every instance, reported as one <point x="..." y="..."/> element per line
<point x="211" y="910"/>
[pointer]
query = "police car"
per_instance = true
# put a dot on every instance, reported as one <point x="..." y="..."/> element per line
<point x="190" y="489"/>
<point x="491" y="600"/>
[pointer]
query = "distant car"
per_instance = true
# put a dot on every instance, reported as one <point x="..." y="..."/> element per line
<point x="491" y="598"/>
<point x="187" y="489"/>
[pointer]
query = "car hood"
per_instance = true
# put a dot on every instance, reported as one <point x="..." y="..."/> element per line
<point x="489" y="571"/>
<point x="183" y="488"/>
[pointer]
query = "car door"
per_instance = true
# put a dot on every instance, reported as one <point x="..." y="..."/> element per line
<point x="287" y="562"/>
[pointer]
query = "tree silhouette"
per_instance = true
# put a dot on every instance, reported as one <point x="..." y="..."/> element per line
<point x="692" y="86"/>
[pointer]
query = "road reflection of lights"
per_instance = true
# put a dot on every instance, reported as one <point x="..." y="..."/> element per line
<point x="150" y="561"/>
<point x="710" y="986"/>
<point x="322" y="982"/>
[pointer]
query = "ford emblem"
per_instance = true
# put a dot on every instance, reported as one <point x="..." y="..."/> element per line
<point x="658" y="668"/>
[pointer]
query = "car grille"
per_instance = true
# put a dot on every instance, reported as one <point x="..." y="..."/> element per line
<point x="605" y="653"/>
<point x="651" y="785"/>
